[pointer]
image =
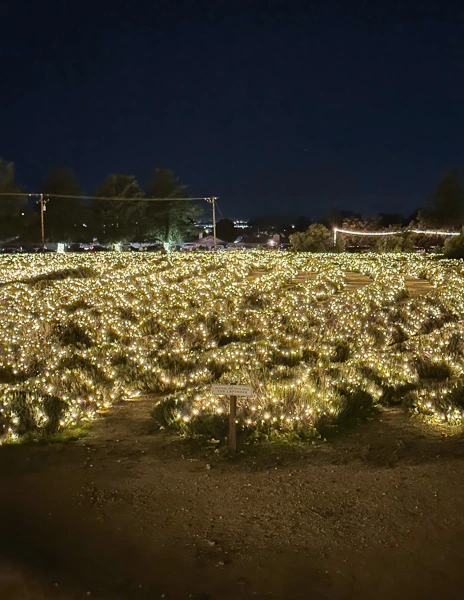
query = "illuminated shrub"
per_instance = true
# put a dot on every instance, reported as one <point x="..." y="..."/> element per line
<point x="86" y="330"/>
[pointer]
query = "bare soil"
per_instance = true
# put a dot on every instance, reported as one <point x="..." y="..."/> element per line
<point x="129" y="511"/>
<point x="417" y="287"/>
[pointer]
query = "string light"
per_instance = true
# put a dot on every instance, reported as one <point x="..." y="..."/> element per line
<point x="123" y="324"/>
<point x="337" y="230"/>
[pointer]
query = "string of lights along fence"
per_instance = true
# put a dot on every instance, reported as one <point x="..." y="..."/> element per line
<point x="337" y="230"/>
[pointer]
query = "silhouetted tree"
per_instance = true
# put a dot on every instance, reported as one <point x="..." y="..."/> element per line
<point x="114" y="221"/>
<point x="63" y="217"/>
<point x="388" y="219"/>
<point x="11" y="207"/>
<point x="317" y="238"/>
<point x="335" y="217"/>
<point x="302" y="223"/>
<point x="446" y="207"/>
<point x="454" y="246"/>
<point x="169" y="221"/>
<point x="225" y="230"/>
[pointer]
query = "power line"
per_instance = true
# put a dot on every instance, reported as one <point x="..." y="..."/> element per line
<point x="220" y="211"/>
<point x="17" y="194"/>
<point x="105" y="198"/>
<point x="118" y="199"/>
<point x="42" y="199"/>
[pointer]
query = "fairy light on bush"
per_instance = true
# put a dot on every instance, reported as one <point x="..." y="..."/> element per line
<point x="78" y="332"/>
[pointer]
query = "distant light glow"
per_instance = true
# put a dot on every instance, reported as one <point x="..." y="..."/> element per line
<point x="241" y="224"/>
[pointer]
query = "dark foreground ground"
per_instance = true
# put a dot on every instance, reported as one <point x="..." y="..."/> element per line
<point x="129" y="512"/>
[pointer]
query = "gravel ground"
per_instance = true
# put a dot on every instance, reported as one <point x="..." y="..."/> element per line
<point x="128" y="511"/>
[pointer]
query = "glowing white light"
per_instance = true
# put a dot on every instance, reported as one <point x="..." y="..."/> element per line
<point x="382" y="233"/>
<point x="427" y="232"/>
<point x="369" y="233"/>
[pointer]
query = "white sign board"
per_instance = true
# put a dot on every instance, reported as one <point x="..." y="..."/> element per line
<point x="232" y="390"/>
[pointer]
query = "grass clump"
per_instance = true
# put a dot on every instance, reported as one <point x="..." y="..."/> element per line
<point x="31" y="411"/>
<point x="73" y="334"/>
<point x="71" y="273"/>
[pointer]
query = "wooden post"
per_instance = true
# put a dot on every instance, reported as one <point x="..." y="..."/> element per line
<point x="214" y="221"/>
<point x="232" y="424"/>
<point x="42" y="226"/>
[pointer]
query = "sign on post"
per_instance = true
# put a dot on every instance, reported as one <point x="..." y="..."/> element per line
<point x="232" y="391"/>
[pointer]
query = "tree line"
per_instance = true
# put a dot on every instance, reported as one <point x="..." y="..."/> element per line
<point x="135" y="219"/>
<point x="444" y="211"/>
<point x="74" y="220"/>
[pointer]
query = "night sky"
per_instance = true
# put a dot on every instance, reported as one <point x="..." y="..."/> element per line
<point x="278" y="108"/>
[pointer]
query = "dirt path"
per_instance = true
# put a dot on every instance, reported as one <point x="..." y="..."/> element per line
<point x="130" y="512"/>
<point x="256" y="273"/>
<point x="355" y="281"/>
<point x="302" y="277"/>
<point x="417" y="287"/>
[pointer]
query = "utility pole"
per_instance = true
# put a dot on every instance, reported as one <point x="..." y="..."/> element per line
<point x="212" y="201"/>
<point x="43" y="208"/>
<point x="214" y="220"/>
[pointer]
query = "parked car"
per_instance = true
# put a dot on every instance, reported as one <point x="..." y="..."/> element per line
<point x="76" y="248"/>
<point x="98" y="248"/>
<point x="11" y="250"/>
<point x="188" y="246"/>
<point x="153" y="248"/>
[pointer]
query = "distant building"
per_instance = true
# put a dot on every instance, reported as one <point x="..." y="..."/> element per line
<point x="208" y="242"/>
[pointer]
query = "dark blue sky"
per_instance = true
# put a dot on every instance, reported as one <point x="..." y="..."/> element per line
<point x="279" y="108"/>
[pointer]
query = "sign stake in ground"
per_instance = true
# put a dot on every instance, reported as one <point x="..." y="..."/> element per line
<point x="233" y="424"/>
<point x="232" y="391"/>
